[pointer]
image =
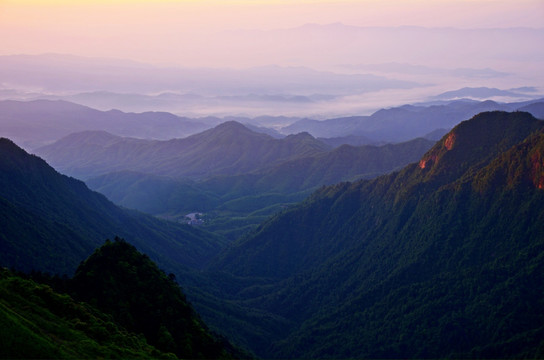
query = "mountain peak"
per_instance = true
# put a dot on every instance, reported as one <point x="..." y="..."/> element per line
<point x="474" y="142"/>
<point x="228" y="129"/>
<point x="160" y="300"/>
<point x="7" y="144"/>
<point x="231" y="125"/>
<point x="300" y="136"/>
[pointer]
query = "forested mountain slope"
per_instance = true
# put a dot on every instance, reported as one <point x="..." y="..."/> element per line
<point x="50" y="221"/>
<point x="39" y="323"/>
<point x="468" y="147"/>
<point x="441" y="259"/>
<point x="126" y="284"/>
<point x="117" y="303"/>
<point x="234" y="175"/>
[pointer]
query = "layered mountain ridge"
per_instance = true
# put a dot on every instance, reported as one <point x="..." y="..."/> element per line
<point x="229" y="170"/>
<point x="228" y="149"/>
<point x="408" y="121"/>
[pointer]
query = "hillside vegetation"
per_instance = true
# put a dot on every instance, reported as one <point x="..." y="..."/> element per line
<point x="124" y="303"/>
<point x="38" y="323"/>
<point x="441" y="259"/>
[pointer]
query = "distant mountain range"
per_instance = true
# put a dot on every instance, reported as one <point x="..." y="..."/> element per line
<point x="228" y="149"/>
<point x="285" y="182"/>
<point x="135" y="87"/>
<point x="68" y="73"/>
<point x="421" y="70"/>
<point x="230" y="172"/>
<point x="308" y="41"/>
<point x="347" y="86"/>
<point x="405" y="122"/>
<point x="484" y="93"/>
<point x="37" y="123"/>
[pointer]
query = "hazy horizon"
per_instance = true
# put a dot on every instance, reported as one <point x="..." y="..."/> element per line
<point x="397" y="51"/>
<point x="154" y="31"/>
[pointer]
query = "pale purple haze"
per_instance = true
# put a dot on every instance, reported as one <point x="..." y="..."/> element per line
<point x="419" y="48"/>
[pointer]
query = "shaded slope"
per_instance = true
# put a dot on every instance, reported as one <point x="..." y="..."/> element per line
<point x="53" y="216"/>
<point x="122" y="282"/>
<point x="459" y="277"/>
<point x="341" y="164"/>
<point x="236" y="204"/>
<point x="469" y="146"/>
<point x="537" y="109"/>
<point x="438" y="261"/>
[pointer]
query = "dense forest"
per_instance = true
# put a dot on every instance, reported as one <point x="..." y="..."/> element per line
<point x="119" y="304"/>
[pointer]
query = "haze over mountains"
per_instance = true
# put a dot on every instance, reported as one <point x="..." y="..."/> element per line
<point x="228" y="169"/>
<point x="109" y="84"/>
<point x="228" y="149"/>
<point x="279" y="87"/>
<point x="41" y="122"/>
<point x="233" y="176"/>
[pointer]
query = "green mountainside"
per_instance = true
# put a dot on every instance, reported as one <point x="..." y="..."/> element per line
<point x="120" y="281"/>
<point x="441" y="259"/>
<point x="50" y="221"/>
<point x="124" y="303"/>
<point x="38" y="323"/>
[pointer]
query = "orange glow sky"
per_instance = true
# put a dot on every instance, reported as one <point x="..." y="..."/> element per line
<point x="146" y="30"/>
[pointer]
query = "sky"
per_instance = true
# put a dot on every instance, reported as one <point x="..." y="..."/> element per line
<point x="156" y="31"/>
